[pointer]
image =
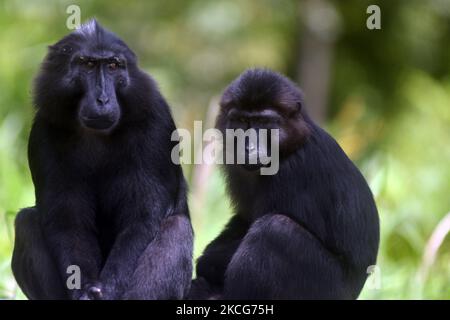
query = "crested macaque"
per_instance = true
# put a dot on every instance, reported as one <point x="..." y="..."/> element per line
<point x="109" y="199"/>
<point x="309" y="231"/>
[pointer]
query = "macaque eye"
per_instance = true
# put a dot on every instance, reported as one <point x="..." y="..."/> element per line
<point x="89" y="64"/>
<point x="113" y="65"/>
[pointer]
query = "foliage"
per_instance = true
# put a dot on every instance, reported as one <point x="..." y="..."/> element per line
<point x="389" y="105"/>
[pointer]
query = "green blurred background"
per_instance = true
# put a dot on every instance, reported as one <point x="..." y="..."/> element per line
<point x="384" y="94"/>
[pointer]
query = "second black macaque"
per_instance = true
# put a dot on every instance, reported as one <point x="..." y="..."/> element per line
<point x="109" y="199"/>
<point x="311" y="230"/>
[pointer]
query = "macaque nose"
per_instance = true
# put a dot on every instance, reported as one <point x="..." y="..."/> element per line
<point x="103" y="99"/>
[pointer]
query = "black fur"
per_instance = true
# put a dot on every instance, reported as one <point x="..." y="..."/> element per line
<point x="108" y="197"/>
<point x="308" y="232"/>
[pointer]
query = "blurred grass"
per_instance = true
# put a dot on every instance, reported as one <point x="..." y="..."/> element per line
<point x="391" y="114"/>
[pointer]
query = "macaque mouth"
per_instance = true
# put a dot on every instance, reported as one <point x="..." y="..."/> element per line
<point x="256" y="156"/>
<point x="98" y="123"/>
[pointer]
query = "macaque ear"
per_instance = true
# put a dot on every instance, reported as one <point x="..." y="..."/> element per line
<point x="296" y="110"/>
<point x="225" y="100"/>
<point x="66" y="49"/>
<point x="62" y="49"/>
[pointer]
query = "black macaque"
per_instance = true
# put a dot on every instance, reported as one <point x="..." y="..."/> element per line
<point x="311" y="230"/>
<point x="109" y="199"/>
